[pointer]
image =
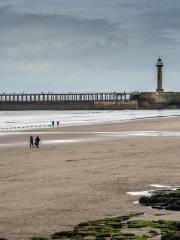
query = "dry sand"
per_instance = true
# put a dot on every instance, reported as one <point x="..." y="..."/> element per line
<point x="60" y="185"/>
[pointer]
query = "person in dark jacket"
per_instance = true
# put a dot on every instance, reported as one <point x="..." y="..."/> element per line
<point x="37" y="140"/>
<point x="31" y="140"/>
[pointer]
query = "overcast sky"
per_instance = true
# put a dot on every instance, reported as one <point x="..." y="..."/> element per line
<point x="88" y="45"/>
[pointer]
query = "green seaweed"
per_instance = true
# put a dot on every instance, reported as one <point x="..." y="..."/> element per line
<point x="143" y="224"/>
<point x="170" y="235"/>
<point x="39" y="238"/>
<point x="101" y="229"/>
<point x="63" y="235"/>
<point x="170" y="230"/>
<point x="113" y="229"/>
<point x="153" y="232"/>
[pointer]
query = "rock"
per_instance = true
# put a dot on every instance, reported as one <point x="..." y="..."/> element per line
<point x="169" y="235"/>
<point x="164" y="199"/>
<point x="63" y="234"/>
<point x="39" y="238"/>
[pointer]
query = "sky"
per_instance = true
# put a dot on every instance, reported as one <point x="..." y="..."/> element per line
<point x="88" y="45"/>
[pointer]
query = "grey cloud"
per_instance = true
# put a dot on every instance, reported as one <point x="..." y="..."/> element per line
<point x="48" y="37"/>
<point x="81" y="43"/>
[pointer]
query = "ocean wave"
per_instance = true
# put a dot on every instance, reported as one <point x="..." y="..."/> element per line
<point x="16" y="120"/>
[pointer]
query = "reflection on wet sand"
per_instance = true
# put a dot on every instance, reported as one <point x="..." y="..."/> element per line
<point x="93" y="136"/>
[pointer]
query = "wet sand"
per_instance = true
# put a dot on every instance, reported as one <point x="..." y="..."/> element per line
<point x="62" y="184"/>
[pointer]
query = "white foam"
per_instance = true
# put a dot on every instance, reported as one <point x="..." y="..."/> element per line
<point x="150" y="192"/>
<point x="141" y="193"/>
<point x="160" y="186"/>
<point x="19" y="120"/>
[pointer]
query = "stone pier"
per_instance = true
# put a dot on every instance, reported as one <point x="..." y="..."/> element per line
<point x="68" y="101"/>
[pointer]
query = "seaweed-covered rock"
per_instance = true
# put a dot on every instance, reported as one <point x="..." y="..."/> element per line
<point x="39" y="238"/>
<point x="164" y="199"/>
<point x="101" y="229"/>
<point x="170" y="235"/>
<point x="126" y="227"/>
<point x="63" y="235"/>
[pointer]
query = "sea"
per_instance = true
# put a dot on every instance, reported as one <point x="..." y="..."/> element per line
<point x="20" y="120"/>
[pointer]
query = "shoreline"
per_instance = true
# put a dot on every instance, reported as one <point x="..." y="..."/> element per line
<point x="47" y="126"/>
<point x="60" y="185"/>
<point x="21" y="130"/>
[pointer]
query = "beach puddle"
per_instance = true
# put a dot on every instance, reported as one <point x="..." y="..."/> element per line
<point x="17" y="144"/>
<point x="47" y="142"/>
<point x="59" y="141"/>
<point x="149" y="192"/>
<point x="160" y="186"/>
<point x="141" y="193"/>
<point x="104" y="135"/>
<point x="79" y="137"/>
<point x="141" y="134"/>
<point x="165" y="186"/>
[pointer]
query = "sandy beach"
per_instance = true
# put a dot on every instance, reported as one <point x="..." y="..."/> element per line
<point x="83" y="173"/>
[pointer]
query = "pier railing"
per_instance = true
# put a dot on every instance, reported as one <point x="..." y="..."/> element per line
<point x="66" y="97"/>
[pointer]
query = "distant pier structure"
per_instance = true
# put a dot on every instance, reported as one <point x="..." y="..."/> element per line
<point x="68" y="101"/>
<point x="117" y="100"/>
<point x="64" y="97"/>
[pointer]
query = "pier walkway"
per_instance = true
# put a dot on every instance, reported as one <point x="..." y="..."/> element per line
<point x="66" y="97"/>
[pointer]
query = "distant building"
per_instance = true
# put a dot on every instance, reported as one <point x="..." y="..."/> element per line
<point x="159" y="66"/>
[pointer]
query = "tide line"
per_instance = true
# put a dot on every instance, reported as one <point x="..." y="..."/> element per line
<point x="104" y="134"/>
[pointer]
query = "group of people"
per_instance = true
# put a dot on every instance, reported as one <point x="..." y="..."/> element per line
<point x="34" y="143"/>
<point x="57" y="123"/>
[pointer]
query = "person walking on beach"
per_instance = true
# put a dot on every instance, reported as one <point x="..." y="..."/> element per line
<point x="31" y="140"/>
<point x="37" y="140"/>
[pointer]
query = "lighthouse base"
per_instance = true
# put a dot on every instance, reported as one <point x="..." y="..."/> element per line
<point x="159" y="91"/>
